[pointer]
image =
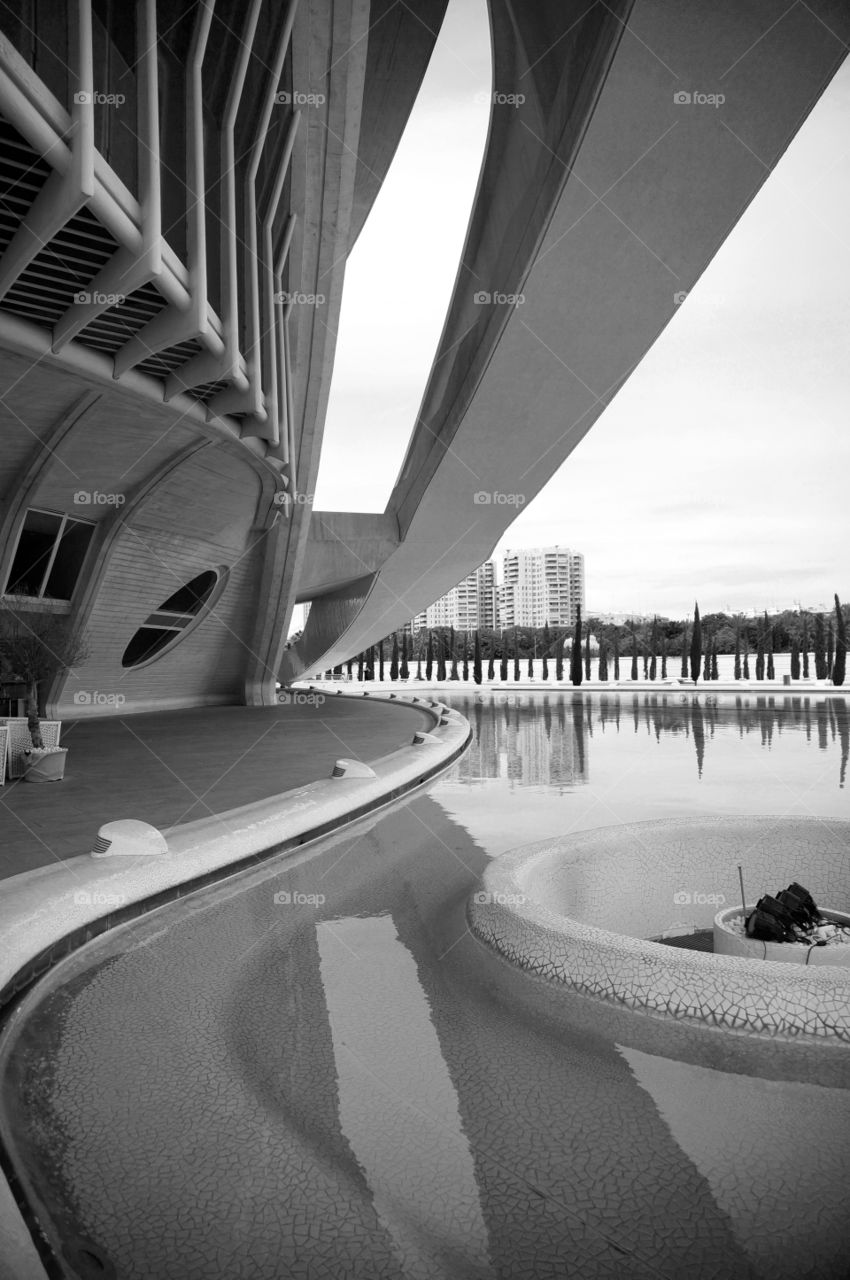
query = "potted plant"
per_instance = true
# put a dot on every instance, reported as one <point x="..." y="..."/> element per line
<point x="35" y="647"/>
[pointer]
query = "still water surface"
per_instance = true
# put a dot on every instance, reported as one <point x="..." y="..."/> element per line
<point x="544" y="764"/>
<point x="247" y="1085"/>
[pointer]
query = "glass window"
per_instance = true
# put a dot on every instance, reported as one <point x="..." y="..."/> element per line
<point x="49" y="556"/>
<point x="167" y="623"/>
<point x="190" y="598"/>
<point x="68" y="561"/>
<point x="146" y="643"/>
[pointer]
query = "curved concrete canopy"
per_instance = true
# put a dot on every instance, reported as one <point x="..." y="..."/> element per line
<point x="602" y="197"/>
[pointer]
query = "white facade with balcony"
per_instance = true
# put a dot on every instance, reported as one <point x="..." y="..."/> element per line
<point x="542" y="585"/>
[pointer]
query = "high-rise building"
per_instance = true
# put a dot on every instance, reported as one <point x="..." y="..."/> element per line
<point x="473" y="603"/>
<point x="542" y="585"/>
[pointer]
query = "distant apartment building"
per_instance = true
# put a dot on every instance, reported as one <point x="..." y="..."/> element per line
<point x="542" y="585"/>
<point x="473" y="603"/>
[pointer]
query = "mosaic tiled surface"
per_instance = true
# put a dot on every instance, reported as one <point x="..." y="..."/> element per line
<point x="251" y="1086"/>
<point x="615" y="876"/>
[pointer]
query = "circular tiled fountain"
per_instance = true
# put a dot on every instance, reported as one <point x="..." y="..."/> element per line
<point x="581" y="911"/>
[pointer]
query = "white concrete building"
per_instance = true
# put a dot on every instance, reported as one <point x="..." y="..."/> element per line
<point x="473" y="603"/>
<point x="540" y="585"/>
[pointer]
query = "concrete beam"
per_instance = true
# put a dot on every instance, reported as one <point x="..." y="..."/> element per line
<point x="343" y="548"/>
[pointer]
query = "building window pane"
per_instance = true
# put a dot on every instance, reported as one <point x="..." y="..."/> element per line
<point x="165" y="625"/>
<point x="35" y="547"/>
<point x="146" y="643"/>
<point x="70" y="554"/>
<point x="190" y="598"/>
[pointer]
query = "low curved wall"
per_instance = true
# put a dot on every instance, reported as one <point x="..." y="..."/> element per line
<point x="520" y="911"/>
<point x="47" y="913"/>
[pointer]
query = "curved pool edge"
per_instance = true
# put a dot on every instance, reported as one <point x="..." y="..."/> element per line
<point x="763" y="999"/>
<point x="44" y="916"/>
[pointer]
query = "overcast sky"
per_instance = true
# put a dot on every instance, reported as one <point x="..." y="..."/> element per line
<point x="741" y="406"/>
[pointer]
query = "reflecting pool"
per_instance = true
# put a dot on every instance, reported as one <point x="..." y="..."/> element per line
<point x="543" y="764"/>
<point x="312" y="1069"/>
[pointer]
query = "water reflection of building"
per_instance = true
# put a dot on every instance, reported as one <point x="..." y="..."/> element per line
<point x="525" y="742"/>
<point x="534" y="742"/>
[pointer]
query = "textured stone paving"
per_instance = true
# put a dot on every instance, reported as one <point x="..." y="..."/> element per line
<point x="177" y="766"/>
<point x="245" y="1087"/>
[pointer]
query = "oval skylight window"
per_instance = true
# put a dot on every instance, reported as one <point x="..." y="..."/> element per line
<point x="174" y="617"/>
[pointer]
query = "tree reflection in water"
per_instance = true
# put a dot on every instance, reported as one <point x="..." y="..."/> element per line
<point x="544" y="739"/>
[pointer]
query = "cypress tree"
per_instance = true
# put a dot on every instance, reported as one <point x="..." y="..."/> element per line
<point x="559" y="657"/>
<point x="370" y="663"/>
<point x="795" y="660"/>
<point x="491" y="670"/>
<point x="587" y="655"/>
<point x="830" y="649"/>
<point x="634" y="671"/>
<point x="664" y="656"/>
<point x="503" y="664"/>
<point x="394" y="660"/>
<point x="381" y="660"/>
<point x="696" y="645"/>
<point x="575" y="652"/>
<point x="476" y="659"/>
<point x="738" y="652"/>
<point x="820" y="647"/>
<point x="759" y="655"/>
<point x="804" y="644"/>
<point x="839" y="669"/>
<point x="465" y="656"/>
<point x="516" y="654"/>
<point x="530" y="667"/>
<point x="453" y="654"/>
<point x="653" y="645"/>
<point x="645" y="645"/>
<point x="715" y="674"/>
<point x="603" y="660"/>
<point x="547" y="642"/>
<point x="746" y="659"/>
<point x="360" y="666"/>
<point x="406" y="650"/>
<point x="616" y="655"/>
<point x="441" y="657"/>
<point x="418" y="664"/>
<point x="429" y="659"/>
<point x="685" y="651"/>
<point x="349" y="664"/>
<point x="771" y="674"/>
<point x="706" y="669"/>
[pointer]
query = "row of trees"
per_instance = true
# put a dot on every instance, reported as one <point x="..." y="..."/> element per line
<point x="444" y="654"/>
<point x="829" y="650"/>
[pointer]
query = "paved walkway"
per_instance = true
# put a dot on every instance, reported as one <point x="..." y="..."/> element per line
<point x="178" y="766"/>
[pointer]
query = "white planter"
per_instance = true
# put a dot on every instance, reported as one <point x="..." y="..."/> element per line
<point x="45" y="764"/>
<point x="729" y="943"/>
<point x="20" y="741"/>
